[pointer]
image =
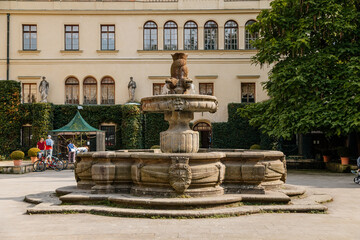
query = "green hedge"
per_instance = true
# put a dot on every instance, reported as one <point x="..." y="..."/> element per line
<point x="154" y="123"/>
<point x="10" y="116"/>
<point x="237" y="133"/>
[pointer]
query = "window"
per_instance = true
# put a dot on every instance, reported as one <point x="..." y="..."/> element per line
<point x="90" y="91"/>
<point x="107" y="91"/>
<point x="170" y="36"/>
<point x="71" y="91"/>
<point x="26" y="136"/>
<point x="210" y="35"/>
<point x="29" y="92"/>
<point x="249" y="37"/>
<point x="157" y="88"/>
<point x="72" y="37"/>
<point x="247" y="92"/>
<point x="29" y="37"/>
<point x="150" y="36"/>
<point x="231" y="35"/>
<point x="107" y="37"/>
<point x="206" y="88"/>
<point x="190" y="36"/>
<point x="110" y="135"/>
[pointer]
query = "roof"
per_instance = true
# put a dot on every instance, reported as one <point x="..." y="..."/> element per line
<point x="77" y="124"/>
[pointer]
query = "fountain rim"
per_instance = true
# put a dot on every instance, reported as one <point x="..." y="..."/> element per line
<point x="184" y="96"/>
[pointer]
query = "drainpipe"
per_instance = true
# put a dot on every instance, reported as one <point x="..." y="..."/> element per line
<point x="8" y="47"/>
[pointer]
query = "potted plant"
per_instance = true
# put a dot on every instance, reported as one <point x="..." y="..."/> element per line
<point x="17" y="157"/>
<point x="326" y="156"/>
<point x="344" y="155"/>
<point x="32" y="153"/>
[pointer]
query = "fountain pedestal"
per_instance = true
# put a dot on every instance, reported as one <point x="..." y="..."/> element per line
<point x="179" y="138"/>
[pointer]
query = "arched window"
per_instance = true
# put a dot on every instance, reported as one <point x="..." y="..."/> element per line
<point x="150" y="36"/>
<point x="90" y="91"/>
<point x="249" y="37"/>
<point x="170" y="36"/>
<point x="231" y="35"/>
<point x="190" y="36"/>
<point x="71" y="91"/>
<point x="107" y="91"/>
<point x="211" y="36"/>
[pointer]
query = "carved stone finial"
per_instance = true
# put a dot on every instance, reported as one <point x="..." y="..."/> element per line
<point x="180" y="174"/>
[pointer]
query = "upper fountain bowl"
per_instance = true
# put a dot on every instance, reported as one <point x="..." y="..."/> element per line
<point x="180" y="102"/>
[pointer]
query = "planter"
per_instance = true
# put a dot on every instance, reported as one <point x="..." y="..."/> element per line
<point x="326" y="158"/>
<point x="17" y="162"/>
<point x="33" y="159"/>
<point x="344" y="160"/>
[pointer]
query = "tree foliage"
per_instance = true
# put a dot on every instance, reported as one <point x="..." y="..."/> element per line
<point x="314" y="84"/>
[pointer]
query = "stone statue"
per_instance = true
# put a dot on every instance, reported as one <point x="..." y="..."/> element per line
<point x="131" y="89"/>
<point x="44" y="89"/>
<point x="179" y="83"/>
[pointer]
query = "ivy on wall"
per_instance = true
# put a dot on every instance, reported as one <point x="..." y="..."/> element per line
<point x="40" y="116"/>
<point x="9" y="116"/>
<point x="131" y="126"/>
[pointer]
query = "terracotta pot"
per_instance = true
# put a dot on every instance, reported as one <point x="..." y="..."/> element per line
<point x="326" y="158"/>
<point x="33" y="159"/>
<point x="17" y="162"/>
<point x="344" y="160"/>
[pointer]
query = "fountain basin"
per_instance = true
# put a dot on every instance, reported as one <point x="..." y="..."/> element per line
<point x="202" y="174"/>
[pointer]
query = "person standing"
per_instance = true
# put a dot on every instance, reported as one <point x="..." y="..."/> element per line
<point x="72" y="150"/>
<point x="49" y="144"/>
<point x="41" y="145"/>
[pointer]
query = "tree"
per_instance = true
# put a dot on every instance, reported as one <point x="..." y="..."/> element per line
<point x="314" y="84"/>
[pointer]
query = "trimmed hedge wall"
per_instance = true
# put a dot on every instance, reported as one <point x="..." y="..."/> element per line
<point x="237" y="133"/>
<point x="9" y="116"/>
<point x="154" y="123"/>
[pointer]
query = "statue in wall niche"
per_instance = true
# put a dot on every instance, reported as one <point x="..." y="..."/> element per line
<point x="44" y="90"/>
<point x="179" y="83"/>
<point x="131" y="89"/>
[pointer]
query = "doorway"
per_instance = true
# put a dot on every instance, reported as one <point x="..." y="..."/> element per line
<point x="205" y="134"/>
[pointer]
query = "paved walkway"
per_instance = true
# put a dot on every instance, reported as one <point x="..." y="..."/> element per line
<point x="341" y="222"/>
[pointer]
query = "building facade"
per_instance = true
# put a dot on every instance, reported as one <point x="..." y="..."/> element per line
<point x="88" y="50"/>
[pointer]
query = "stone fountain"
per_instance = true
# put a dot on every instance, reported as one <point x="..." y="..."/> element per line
<point x="179" y="169"/>
<point x="179" y="180"/>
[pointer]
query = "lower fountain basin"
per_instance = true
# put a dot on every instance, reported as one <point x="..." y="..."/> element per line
<point x="176" y="174"/>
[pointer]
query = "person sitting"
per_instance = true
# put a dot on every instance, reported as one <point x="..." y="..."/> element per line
<point x="72" y="150"/>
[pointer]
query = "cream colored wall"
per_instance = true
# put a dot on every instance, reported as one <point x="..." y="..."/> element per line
<point x="230" y="68"/>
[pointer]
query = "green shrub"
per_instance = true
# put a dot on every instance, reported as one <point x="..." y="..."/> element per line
<point x="17" y="155"/>
<point x="155" y="147"/>
<point x="255" y="147"/>
<point x="33" y="152"/>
